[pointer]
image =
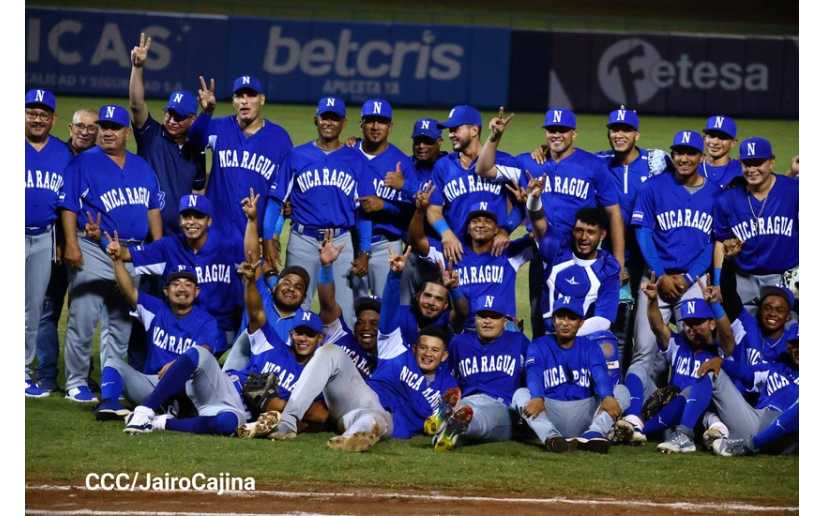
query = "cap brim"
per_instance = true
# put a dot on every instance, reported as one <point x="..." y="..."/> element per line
<point x="707" y="130"/>
<point x="559" y="125"/>
<point x="488" y="311"/>
<point x="247" y="88"/>
<point x="485" y="213"/>
<point x="40" y="105"/>
<point x="688" y="147"/>
<point x="566" y="308"/>
<point x="613" y="124"/>
<point x="175" y="276"/>
<point x="307" y="327"/>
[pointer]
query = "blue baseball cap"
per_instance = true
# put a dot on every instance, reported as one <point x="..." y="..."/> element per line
<point x="495" y="304"/>
<point x="181" y="271"/>
<point x="427" y="128"/>
<point x="696" y="308"/>
<point x="247" y="82"/>
<point x="367" y="303"/>
<point x="484" y="208"/>
<point x="623" y="116"/>
<point x="195" y="202"/>
<point x="331" y="105"/>
<point x="309" y="320"/>
<point x="777" y="290"/>
<point x="559" y="117"/>
<point x="572" y="281"/>
<point x="461" y="115"/>
<point x="755" y="148"/>
<point x="721" y="124"/>
<point x="377" y="108"/>
<point x="113" y="114"/>
<point x="39" y="97"/>
<point x="570" y="303"/>
<point x="182" y="102"/>
<point x="688" y="139"/>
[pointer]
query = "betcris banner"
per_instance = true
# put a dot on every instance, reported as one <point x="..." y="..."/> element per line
<point x="657" y="73"/>
<point x="406" y="64"/>
<point x="87" y="52"/>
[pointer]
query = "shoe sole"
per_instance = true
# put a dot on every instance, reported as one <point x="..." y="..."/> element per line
<point x="357" y="442"/>
<point x="110" y="415"/>
<point x="282" y="436"/>
<point x="558" y="445"/>
<point x="711" y="435"/>
<point x="137" y="430"/>
<point x="456" y="425"/>
<point x="82" y="402"/>
<point x="38" y="396"/>
<point x="669" y="450"/>
<point x="593" y="445"/>
<point x="264" y="425"/>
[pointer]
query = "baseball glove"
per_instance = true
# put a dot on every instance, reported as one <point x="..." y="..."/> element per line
<point x="660" y="397"/>
<point x="258" y="390"/>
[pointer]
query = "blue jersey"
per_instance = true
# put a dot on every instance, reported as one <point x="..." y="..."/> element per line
<point x="577" y="373"/>
<point x="169" y="336"/>
<point x="221" y="291"/>
<point x="684" y="362"/>
<point x="403" y="388"/>
<point x="601" y="287"/>
<point x="581" y="180"/>
<point x="179" y="168"/>
<point x="493" y="368"/>
<point x="339" y="333"/>
<point x="395" y="315"/>
<point x="123" y="197"/>
<point x="629" y="178"/>
<point x="239" y="162"/>
<point x="44" y="183"/>
<point x="323" y="187"/>
<point x="458" y="188"/>
<point x="752" y="346"/>
<point x="484" y="274"/>
<point x="681" y="222"/>
<point x="722" y="175"/>
<point x="777" y="383"/>
<point x="270" y="354"/>
<point x="392" y="221"/>
<point x="768" y="230"/>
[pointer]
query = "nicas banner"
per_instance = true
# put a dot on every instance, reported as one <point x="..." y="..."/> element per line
<point x="656" y="73"/>
<point x="87" y="52"/>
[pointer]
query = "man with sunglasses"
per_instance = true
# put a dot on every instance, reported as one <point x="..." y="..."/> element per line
<point x="46" y="158"/>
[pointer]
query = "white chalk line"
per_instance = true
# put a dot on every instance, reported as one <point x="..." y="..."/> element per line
<point x="681" y="506"/>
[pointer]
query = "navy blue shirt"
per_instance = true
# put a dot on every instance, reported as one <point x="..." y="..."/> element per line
<point x="179" y="168"/>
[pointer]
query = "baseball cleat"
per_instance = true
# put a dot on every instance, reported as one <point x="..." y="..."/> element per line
<point x="557" y="444"/>
<point x="33" y="390"/>
<point x="81" y="394"/>
<point x="264" y="425"/>
<point x="140" y="421"/>
<point x="445" y="409"/>
<point x="712" y="434"/>
<point x="447" y="438"/>
<point x="591" y="442"/>
<point x="357" y="442"/>
<point x="725" y="447"/>
<point x="625" y="432"/>
<point x="110" y="409"/>
<point x="678" y="443"/>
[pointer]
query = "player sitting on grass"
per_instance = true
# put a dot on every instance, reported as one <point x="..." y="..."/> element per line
<point x="690" y="390"/>
<point x="173" y="326"/>
<point x="570" y="400"/>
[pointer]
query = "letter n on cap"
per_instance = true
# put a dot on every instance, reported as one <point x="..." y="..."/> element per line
<point x="685" y="137"/>
<point x="488" y="301"/>
<point x="719" y="121"/>
<point x="691" y="306"/>
<point x="556" y="116"/>
<point x="425" y="124"/>
<point x="751" y="148"/>
<point x="193" y="201"/>
<point x="38" y="95"/>
<point x="330" y="102"/>
<point x="110" y="111"/>
<point x="245" y="79"/>
<point x="376" y="108"/>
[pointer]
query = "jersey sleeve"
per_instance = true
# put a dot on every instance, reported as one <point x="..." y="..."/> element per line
<point x="154" y="189"/>
<point x="334" y="331"/>
<point x="534" y="366"/>
<point x="670" y="351"/>
<point x="285" y="145"/>
<point x="145" y="134"/>
<point x="607" y="298"/>
<point x="607" y="192"/>
<point x="147" y="308"/>
<point x="364" y="186"/>
<point x="437" y="197"/>
<point x="151" y="258"/>
<point x="70" y="199"/>
<point x="213" y="337"/>
<point x="721" y="222"/>
<point x="261" y="341"/>
<point x="508" y="168"/>
<point x="520" y="251"/>
<point x="390" y="345"/>
<point x="644" y="210"/>
<point x="602" y="384"/>
<point x="281" y="187"/>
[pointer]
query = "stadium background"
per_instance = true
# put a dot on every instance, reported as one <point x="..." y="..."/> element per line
<point x="517" y="55"/>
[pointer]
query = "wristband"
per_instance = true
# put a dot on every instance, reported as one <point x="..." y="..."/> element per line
<point x="534" y="203"/>
<point x="690" y="279"/>
<point x="717" y="309"/>
<point x="325" y="275"/>
<point x="717" y="275"/>
<point x="441" y="227"/>
<point x="456" y="295"/>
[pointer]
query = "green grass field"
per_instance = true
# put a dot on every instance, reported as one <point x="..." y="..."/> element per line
<point x="64" y="442"/>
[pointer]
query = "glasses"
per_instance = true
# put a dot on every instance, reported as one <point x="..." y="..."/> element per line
<point x="38" y="115"/>
<point x="81" y="128"/>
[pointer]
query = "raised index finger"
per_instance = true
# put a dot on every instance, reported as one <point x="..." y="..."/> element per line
<point x="501" y="111"/>
<point x="202" y="81"/>
<point x="142" y="39"/>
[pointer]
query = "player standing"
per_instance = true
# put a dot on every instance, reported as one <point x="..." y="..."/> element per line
<point x="673" y="217"/>
<point x="720" y="137"/>
<point x="46" y="159"/>
<point x="246" y="148"/>
<point x="756" y="223"/>
<point x="323" y="179"/>
<point x="118" y="191"/>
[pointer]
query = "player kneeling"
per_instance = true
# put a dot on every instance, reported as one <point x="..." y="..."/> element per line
<point x="570" y="400"/>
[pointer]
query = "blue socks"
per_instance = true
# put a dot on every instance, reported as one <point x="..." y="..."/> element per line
<point x="174" y="381"/>
<point x="667" y="417"/>
<point x="637" y="395"/>
<point x="224" y="423"/>
<point x="786" y="423"/>
<point x="111" y="384"/>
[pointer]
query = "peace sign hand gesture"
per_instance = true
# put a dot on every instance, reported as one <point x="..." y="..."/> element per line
<point x="206" y="96"/>
<point x="141" y="51"/>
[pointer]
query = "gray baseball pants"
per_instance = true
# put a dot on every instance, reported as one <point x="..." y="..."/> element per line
<point x="748" y="287"/>
<point x="491" y="418"/>
<point x="94" y="292"/>
<point x="739" y="416"/>
<point x="373" y="283"/>
<point x="39" y="251"/>
<point x="570" y="418"/>
<point x="137" y="386"/>
<point x="304" y="251"/>
<point x="353" y="405"/>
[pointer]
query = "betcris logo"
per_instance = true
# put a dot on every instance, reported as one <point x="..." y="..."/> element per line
<point x="360" y="64"/>
<point x="631" y="71"/>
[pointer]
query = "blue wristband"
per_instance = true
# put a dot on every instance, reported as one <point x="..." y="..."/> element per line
<point x="325" y="275"/>
<point x="718" y="311"/>
<point x="441" y="226"/>
<point x="717" y="276"/>
<point x="456" y="295"/>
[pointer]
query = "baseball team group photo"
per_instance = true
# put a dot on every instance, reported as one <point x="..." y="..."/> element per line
<point x="390" y="270"/>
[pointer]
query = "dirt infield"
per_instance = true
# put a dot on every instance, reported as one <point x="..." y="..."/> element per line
<point x="52" y="499"/>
